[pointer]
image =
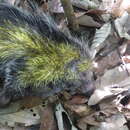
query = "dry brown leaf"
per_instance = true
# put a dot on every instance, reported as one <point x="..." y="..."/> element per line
<point x="82" y="125"/>
<point x="86" y="20"/>
<point x="107" y="62"/>
<point x="99" y="95"/>
<point x="78" y="100"/>
<point x="29" y="102"/>
<point x="117" y="10"/>
<point x="120" y="7"/>
<point x="79" y="14"/>
<point x="96" y="11"/>
<point x="47" y="119"/>
<point x="91" y="119"/>
<point x="81" y="110"/>
<point x="108" y="107"/>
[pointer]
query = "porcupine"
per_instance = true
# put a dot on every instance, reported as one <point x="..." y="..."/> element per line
<point x="35" y="54"/>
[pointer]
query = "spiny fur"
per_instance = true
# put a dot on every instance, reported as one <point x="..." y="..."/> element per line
<point x="40" y="22"/>
<point x="35" y="53"/>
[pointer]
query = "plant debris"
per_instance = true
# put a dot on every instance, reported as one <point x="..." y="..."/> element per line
<point x="105" y="26"/>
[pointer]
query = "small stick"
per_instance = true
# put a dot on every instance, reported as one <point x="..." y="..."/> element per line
<point x="69" y="12"/>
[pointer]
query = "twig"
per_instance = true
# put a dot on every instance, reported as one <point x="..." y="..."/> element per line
<point x="69" y="12"/>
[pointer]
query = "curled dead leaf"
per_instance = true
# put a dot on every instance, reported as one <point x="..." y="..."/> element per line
<point x="86" y="20"/>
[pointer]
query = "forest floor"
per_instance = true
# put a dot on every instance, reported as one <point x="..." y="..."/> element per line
<point x="106" y="25"/>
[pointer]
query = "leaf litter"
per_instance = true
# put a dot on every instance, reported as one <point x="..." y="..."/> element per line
<point x="107" y="24"/>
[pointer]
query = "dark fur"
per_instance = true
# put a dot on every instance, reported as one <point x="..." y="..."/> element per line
<point x="45" y="26"/>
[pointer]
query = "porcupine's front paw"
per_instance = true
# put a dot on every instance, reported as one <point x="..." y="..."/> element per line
<point x="5" y="98"/>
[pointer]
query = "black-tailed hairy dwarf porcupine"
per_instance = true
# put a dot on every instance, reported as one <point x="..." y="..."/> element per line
<point x="35" y="55"/>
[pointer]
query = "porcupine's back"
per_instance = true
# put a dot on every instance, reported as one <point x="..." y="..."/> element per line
<point x="33" y="50"/>
<point x="38" y="21"/>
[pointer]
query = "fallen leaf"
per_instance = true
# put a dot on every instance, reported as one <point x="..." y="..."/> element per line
<point x="96" y="11"/>
<point x="108" y="107"/>
<point x="120" y="26"/>
<point x="20" y="128"/>
<point x="2" y="127"/>
<point x="78" y="100"/>
<point x="29" y="102"/>
<point x="118" y="120"/>
<point x="79" y="14"/>
<point x="47" y="119"/>
<point x="55" y="6"/>
<point x="99" y="95"/>
<point x="81" y="110"/>
<point x="91" y="120"/>
<point x="112" y="77"/>
<point x="27" y="117"/>
<point x="107" y="62"/>
<point x="106" y="5"/>
<point x="63" y="122"/>
<point x="84" y="4"/>
<point x="99" y="38"/>
<point x="82" y="125"/>
<point x="86" y="20"/>
<point x="115" y="122"/>
<point x="111" y="126"/>
<point x="12" y="108"/>
<point x="113" y="82"/>
<point x="117" y="10"/>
